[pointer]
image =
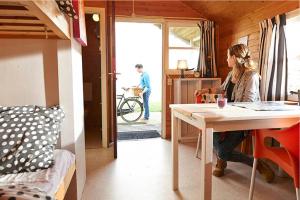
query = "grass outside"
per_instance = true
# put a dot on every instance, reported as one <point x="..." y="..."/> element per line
<point x="155" y="106"/>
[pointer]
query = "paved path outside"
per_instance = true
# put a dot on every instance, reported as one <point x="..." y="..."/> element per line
<point x="154" y="123"/>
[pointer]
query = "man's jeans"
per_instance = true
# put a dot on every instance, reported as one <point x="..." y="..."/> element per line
<point x="146" y="96"/>
<point x="225" y="143"/>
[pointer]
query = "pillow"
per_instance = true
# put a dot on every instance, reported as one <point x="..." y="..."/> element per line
<point x="66" y="7"/>
<point x="28" y="135"/>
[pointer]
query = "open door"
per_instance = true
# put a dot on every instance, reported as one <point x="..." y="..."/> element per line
<point x="111" y="70"/>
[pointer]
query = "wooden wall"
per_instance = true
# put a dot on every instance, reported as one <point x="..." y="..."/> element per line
<point x="247" y="25"/>
<point x="91" y="60"/>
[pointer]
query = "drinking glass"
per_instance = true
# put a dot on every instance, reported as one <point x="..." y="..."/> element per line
<point x="222" y="102"/>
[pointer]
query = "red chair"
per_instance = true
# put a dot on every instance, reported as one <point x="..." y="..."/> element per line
<point x="286" y="156"/>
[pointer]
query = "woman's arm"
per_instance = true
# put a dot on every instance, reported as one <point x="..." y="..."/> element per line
<point x="251" y="92"/>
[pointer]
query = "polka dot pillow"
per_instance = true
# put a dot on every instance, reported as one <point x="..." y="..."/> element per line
<point x="66" y="7"/>
<point x="28" y="136"/>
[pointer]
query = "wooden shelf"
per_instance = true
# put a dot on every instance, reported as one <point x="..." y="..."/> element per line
<point x="184" y="89"/>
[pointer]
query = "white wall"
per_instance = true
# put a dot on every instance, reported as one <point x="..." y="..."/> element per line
<point x="28" y="72"/>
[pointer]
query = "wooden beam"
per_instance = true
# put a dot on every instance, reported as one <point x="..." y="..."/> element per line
<point x="49" y="13"/>
<point x="20" y="21"/>
<point x="7" y="12"/>
<point x="25" y="33"/>
<point x="9" y="3"/>
<point x="23" y="28"/>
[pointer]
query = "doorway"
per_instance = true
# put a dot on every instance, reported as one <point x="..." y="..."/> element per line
<point x="91" y="61"/>
<point x="138" y="43"/>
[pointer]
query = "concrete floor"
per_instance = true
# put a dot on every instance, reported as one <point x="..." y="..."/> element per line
<point x="143" y="172"/>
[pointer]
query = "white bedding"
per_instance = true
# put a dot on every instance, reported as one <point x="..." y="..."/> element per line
<point x="47" y="180"/>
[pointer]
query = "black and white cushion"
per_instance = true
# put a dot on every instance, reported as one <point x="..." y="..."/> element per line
<point x="66" y="7"/>
<point x="28" y="135"/>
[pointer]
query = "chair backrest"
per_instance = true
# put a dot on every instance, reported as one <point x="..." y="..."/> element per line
<point x="289" y="138"/>
<point x="207" y="98"/>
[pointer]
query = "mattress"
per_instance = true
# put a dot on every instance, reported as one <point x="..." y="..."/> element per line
<point x="47" y="180"/>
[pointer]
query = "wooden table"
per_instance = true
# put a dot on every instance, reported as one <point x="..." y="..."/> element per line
<point x="209" y="118"/>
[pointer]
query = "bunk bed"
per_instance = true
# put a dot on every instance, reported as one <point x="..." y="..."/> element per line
<point x="30" y="163"/>
<point x="39" y="19"/>
<point x="33" y="19"/>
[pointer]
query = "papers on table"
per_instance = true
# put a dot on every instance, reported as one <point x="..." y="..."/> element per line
<point x="267" y="106"/>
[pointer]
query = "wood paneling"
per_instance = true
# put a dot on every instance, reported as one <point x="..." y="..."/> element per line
<point x="224" y="11"/>
<point x="248" y="25"/>
<point x="173" y="8"/>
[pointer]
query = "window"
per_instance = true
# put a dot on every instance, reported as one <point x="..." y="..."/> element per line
<point x="292" y="32"/>
<point x="184" y="43"/>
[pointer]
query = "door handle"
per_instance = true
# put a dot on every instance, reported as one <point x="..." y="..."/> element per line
<point x="114" y="73"/>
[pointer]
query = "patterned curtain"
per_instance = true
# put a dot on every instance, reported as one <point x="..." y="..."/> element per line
<point x="207" y="57"/>
<point x="273" y="59"/>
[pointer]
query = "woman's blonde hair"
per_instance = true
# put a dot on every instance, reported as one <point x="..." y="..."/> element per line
<point x="243" y="60"/>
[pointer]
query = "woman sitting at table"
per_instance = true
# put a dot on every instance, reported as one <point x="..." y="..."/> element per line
<point x="241" y="85"/>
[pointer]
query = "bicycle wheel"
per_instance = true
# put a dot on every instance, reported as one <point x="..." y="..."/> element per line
<point x="131" y="110"/>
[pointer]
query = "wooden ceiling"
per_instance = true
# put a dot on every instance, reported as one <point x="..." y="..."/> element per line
<point x="219" y="11"/>
<point x="231" y="11"/>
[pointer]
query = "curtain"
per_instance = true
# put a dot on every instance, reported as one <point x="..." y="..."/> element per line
<point x="207" y="57"/>
<point x="273" y="59"/>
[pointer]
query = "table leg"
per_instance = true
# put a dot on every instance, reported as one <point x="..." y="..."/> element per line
<point x="174" y="134"/>
<point x="206" y="164"/>
<point x="179" y="123"/>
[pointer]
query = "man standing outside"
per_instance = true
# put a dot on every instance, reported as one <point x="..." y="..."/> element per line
<point x="145" y="85"/>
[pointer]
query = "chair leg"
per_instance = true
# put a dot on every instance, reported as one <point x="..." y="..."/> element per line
<point x="298" y="193"/>
<point x="198" y="145"/>
<point x="253" y="179"/>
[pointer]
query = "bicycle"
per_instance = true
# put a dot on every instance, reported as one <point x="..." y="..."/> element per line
<point x="129" y="108"/>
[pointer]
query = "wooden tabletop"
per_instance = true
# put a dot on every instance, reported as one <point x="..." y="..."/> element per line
<point x="211" y="112"/>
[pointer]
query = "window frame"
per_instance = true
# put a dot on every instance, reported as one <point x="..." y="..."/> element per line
<point x="168" y="25"/>
<point x="290" y="15"/>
